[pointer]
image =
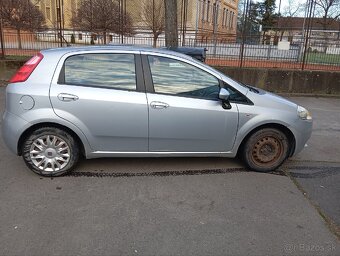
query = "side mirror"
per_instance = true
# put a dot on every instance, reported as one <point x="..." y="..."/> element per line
<point x="224" y="96"/>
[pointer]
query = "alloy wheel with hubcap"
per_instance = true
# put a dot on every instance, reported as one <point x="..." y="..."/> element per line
<point x="50" y="151"/>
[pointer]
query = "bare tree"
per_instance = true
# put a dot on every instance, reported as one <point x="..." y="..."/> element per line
<point x="153" y="17"/>
<point x="329" y="10"/>
<point x="102" y="16"/>
<point x="293" y="9"/>
<point x="21" y="15"/>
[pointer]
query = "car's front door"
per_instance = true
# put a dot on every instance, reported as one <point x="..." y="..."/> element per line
<point x="185" y="114"/>
<point x="100" y="94"/>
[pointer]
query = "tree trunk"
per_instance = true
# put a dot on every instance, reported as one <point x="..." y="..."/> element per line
<point x="104" y="35"/>
<point x="171" y="33"/>
<point x="155" y="37"/>
<point x="2" y="41"/>
<point x="263" y="37"/>
<point x="282" y="32"/>
<point x="19" y="39"/>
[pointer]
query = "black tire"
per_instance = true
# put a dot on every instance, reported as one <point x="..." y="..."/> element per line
<point x="265" y="150"/>
<point x="71" y="151"/>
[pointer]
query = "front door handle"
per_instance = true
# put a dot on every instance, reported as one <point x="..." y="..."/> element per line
<point x="159" y="105"/>
<point x="67" y="97"/>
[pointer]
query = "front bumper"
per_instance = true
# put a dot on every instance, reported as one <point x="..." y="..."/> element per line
<point x="302" y="133"/>
<point x="12" y="128"/>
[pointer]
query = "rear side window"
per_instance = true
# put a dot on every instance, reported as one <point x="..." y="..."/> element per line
<point x="115" y="71"/>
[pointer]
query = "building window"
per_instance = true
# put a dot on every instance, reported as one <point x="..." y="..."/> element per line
<point x="73" y="5"/>
<point x="48" y="13"/>
<point x="80" y="36"/>
<point x="223" y="17"/>
<point x="203" y="10"/>
<point x="214" y="13"/>
<point x="232" y="20"/>
<point x="226" y="18"/>
<point x="208" y="10"/>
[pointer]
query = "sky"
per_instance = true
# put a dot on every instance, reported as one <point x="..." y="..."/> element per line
<point x="284" y="3"/>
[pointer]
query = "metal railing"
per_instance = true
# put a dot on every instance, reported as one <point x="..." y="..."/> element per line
<point x="223" y="50"/>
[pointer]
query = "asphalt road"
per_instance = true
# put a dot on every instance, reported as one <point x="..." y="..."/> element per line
<point x="317" y="167"/>
<point x="176" y="206"/>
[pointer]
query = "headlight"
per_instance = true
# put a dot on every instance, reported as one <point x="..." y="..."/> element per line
<point x="303" y="113"/>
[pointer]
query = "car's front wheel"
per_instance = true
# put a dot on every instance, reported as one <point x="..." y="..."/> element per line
<point x="50" y="151"/>
<point x="265" y="150"/>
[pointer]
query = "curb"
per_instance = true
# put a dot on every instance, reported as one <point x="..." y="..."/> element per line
<point x="312" y="95"/>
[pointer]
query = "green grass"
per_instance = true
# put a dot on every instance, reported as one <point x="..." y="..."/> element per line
<point x="323" y="58"/>
<point x="15" y="57"/>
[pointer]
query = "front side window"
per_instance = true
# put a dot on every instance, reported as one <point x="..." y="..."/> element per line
<point x="115" y="71"/>
<point x="178" y="78"/>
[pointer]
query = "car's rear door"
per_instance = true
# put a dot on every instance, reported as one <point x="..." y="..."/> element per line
<point x="103" y="94"/>
<point x="185" y="114"/>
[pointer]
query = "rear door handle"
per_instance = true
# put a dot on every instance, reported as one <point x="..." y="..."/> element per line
<point x="67" y="97"/>
<point x="159" y="105"/>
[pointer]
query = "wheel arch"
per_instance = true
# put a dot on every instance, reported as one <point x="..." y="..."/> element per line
<point x="34" y="127"/>
<point x="280" y="127"/>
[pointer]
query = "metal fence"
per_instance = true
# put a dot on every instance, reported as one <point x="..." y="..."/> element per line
<point x="231" y="39"/>
<point x="320" y="54"/>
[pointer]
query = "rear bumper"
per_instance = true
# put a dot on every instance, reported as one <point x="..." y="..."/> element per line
<point x="12" y="128"/>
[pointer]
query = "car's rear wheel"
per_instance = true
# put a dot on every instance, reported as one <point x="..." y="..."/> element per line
<point x="265" y="150"/>
<point x="50" y="151"/>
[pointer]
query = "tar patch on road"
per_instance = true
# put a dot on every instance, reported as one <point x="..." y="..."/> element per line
<point x="313" y="172"/>
<point x="307" y="172"/>
<point x="102" y="174"/>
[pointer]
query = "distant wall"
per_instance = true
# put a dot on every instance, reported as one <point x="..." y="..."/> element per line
<point x="287" y="81"/>
<point x="280" y="81"/>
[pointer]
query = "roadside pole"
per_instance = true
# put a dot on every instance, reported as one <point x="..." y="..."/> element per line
<point x="216" y="7"/>
<point x="2" y="41"/>
<point x="245" y="21"/>
<point x="309" y="26"/>
<point x="198" y="10"/>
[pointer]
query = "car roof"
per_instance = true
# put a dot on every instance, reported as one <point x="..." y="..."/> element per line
<point x="64" y="50"/>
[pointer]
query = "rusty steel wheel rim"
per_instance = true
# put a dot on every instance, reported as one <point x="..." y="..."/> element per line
<point x="267" y="151"/>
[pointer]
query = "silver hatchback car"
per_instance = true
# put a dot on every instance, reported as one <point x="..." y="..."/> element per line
<point x="120" y="101"/>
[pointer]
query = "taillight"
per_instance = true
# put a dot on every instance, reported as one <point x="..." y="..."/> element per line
<point x="26" y="70"/>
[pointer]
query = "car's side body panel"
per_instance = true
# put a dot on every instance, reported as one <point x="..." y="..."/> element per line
<point x="111" y="119"/>
<point x="191" y="125"/>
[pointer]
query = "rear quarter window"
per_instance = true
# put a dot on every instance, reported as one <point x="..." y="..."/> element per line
<point x="115" y="71"/>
